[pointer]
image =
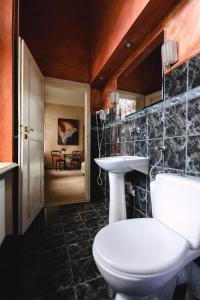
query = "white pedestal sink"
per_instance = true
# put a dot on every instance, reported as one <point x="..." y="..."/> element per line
<point x="118" y="166"/>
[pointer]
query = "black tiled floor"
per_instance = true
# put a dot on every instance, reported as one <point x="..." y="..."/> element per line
<point x="53" y="260"/>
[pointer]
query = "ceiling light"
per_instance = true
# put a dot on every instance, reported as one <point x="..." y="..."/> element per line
<point x="128" y="44"/>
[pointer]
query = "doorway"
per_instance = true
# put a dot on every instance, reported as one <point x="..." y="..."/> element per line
<point x="66" y="144"/>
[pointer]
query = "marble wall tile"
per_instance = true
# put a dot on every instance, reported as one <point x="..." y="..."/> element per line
<point x="153" y="151"/>
<point x="114" y="134"/>
<point x="130" y="149"/>
<point x="172" y="122"/>
<point x="138" y="214"/>
<point x="175" y="116"/>
<point x="194" y="116"/>
<point x="194" y="93"/>
<point x="193" y="154"/>
<point x="155" y="121"/>
<point x="141" y="200"/>
<point x="107" y="150"/>
<point x="140" y="126"/>
<point x="122" y="148"/>
<point x="175" y="153"/>
<point x="176" y="82"/>
<point x="141" y="148"/>
<point x="154" y="172"/>
<point x="149" y="206"/>
<point x="194" y="72"/>
<point x="140" y="179"/>
<point x="174" y="171"/>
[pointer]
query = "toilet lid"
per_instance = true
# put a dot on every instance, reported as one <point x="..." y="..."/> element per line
<point x="139" y="246"/>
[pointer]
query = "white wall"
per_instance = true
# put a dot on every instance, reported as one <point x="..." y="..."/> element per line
<point x="52" y="113"/>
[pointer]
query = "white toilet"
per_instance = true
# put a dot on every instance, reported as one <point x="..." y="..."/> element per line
<point x="140" y="257"/>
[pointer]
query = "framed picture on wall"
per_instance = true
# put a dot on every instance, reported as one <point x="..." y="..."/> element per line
<point x="68" y="132"/>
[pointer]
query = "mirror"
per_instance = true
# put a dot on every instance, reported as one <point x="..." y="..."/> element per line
<point x="141" y="82"/>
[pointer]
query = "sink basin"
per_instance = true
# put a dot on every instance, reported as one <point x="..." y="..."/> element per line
<point x="123" y="164"/>
<point x="117" y="166"/>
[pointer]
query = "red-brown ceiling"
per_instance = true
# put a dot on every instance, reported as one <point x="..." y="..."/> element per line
<point x="57" y="34"/>
<point x="145" y="78"/>
<point x="81" y="40"/>
<point x="111" y="20"/>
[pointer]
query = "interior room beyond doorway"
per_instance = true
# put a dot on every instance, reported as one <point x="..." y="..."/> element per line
<point x="64" y="138"/>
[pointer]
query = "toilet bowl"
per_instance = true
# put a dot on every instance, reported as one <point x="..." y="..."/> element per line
<point x="139" y="258"/>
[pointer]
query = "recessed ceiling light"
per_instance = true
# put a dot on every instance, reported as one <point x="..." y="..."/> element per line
<point x="128" y="44"/>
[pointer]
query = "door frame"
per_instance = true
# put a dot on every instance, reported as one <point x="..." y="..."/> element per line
<point x="83" y="88"/>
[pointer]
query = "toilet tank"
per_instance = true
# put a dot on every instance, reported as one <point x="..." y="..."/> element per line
<point x="176" y="203"/>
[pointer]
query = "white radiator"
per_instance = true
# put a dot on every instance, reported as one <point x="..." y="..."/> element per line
<point x="2" y="210"/>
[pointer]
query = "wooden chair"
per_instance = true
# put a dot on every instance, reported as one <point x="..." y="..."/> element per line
<point x="76" y="159"/>
<point x="57" y="159"/>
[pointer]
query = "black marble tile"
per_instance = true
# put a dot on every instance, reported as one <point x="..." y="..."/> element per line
<point x="71" y="218"/>
<point x="84" y="270"/>
<point x="53" y="241"/>
<point x="141" y="200"/>
<point x="154" y="172"/>
<point x="74" y="226"/>
<point x="175" y="153"/>
<point x="129" y="205"/>
<point x="54" y="229"/>
<point x="153" y="151"/>
<point x="87" y="207"/>
<point x="53" y="257"/>
<point x="94" y="230"/>
<point x="93" y="120"/>
<point x="175" y="116"/>
<point x="138" y="214"/>
<point x="65" y="294"/>
<point x="155" y="121"/>
<point x="59" y="277"/>
<point x="76" y="236"/>
<point x="68" y="208"/>
<point x="107" y="150"/>
<point x="122" y="149"/>
<point x="149" y="206"/>
<point x="140" y="126"/>
<point x="122" y="133"/>
<point x="130" y="148"/>
<point x="141" y="148"/>
<point x="194" y="72"/>
<point x="114" y="134"/>
<point x="174" y="171"/>
<point x="136" y="179"/>
<point x="193" y="154"/>
<point x="89" y="215"/>
<point x="94" y="222"/>
<point x="80" y="250"/>
<point x="102" y="212"/>
<point x="92" y="290"/>
<point x="176" y="82"/>
<point x="194" y="116"/>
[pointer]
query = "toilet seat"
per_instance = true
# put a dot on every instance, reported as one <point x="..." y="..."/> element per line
<point x="139" y="246"/>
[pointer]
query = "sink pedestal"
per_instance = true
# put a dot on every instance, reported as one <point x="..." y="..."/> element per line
<point x="117" y="209"/>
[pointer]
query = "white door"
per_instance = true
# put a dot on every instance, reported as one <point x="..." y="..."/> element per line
<point x="31" y="149"/>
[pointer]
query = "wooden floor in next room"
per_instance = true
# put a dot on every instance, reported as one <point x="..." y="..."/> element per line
<point x="63" y="187"/>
